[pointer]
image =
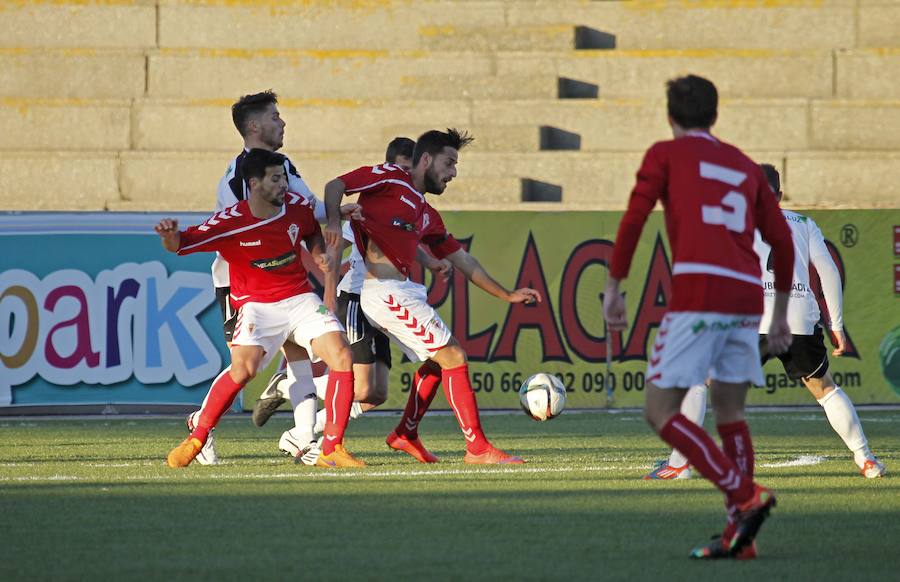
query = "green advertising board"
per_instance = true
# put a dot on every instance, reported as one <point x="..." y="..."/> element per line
<point x="565" y="257"/>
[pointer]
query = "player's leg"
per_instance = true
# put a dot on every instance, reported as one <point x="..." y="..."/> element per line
<point x="693" y="407"/>
<point x="275" y="393"/>
<point x="737" y="365"/>
<point x="458" y="390"/>
<point x="807" y="360"/>
<point x="333" y="349"/>
<point x="245" y="361"/>
<point x="842" y="416"/>
<point x="208" y="455"/>
<point x="421" y="393"/>
<point x="367" y="347"/>
<point x="298" y="442"/>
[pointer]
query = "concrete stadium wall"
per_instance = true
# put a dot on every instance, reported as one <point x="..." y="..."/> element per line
<point x="126" y="102"/>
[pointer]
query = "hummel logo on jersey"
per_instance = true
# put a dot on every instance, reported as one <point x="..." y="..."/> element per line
<point x="407" y="201"/>
<point x="251" y="243"/>
<point x="293" y="230"/>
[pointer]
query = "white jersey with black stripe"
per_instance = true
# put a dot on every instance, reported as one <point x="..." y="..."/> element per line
<point x="803" y="309"/>
<point x="233" y="188"/>
<point x="353" y="280"/>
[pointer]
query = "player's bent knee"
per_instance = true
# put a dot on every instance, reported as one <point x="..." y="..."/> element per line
<point x="451" y="356"/>
<point x="242" y="373"/>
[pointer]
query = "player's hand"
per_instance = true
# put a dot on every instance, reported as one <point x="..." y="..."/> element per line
<point x="332" y="235"/>
<point x="614" y="310"/>
<point x="442" y="268"/>
<point x="166" y="227"/>
<point x="324" y="262"/>
<point x="525" y="295"/>
<point x="841" y="348"/>
<point x="352" y="212"/>
<point x="779" y="336"/>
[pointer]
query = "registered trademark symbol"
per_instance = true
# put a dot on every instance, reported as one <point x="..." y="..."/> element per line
<point x="849" y="235"/>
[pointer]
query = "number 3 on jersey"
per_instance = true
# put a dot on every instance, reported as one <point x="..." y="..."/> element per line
<point x="732" y="213"/>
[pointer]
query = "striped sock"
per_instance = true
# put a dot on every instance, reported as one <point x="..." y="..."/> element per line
<point x="703" y="454"/>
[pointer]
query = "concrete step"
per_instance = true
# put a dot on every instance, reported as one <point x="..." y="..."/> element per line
<point x="537" y="37"/>
<point x="643" y="73"/>
<point x="633" y="124"/>
<point x="869" y="73"/>
<point x="822" y="24"/>
<point x="52" y="180"/>
<point x="214" y="74"/>
<point x="78" y="24"/>
<point x="579" y="181"/>
<point x="65" y="124"/>
<point x="509" y="125"/>
<point x="72" y="73"/>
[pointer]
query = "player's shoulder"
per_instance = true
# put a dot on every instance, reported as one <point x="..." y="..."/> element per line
<point x="297" y="202"/>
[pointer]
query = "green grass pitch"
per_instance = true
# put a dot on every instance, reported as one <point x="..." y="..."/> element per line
<point x="93" y="500"/>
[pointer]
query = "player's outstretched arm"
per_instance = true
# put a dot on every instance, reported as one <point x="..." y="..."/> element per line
<point x="334" y="192"/>
<point x="474" y="272"/>
<point x="168" y="232"/>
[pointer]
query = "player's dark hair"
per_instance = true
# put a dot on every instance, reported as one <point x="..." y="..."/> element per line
<point x="772" y="176"/>
<point x="250" y="105"/>
<point x="399" y="146"/>
<point x="433" y="142"/>
<point x="257" y="160"/>
<point x="692" y="101"/>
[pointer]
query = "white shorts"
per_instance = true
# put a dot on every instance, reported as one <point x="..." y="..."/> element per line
<point x="693" y="346"/>
<point x="400" y="309"/>
<point x="300" y="319"/>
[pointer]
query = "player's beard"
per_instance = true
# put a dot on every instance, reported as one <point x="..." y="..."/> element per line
<point x="274" y="140"/>
<point x="432" y="184"/>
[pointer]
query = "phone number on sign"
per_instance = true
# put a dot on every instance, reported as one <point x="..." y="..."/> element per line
<point x="511" y="382"/>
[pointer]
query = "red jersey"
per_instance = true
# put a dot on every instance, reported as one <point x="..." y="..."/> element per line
<point x="397" y="217"/>
<point x="713" y="197"/>
<point x="263" y="254"/>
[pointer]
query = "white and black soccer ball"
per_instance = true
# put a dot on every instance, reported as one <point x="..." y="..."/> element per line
<point x="542" y="396"/>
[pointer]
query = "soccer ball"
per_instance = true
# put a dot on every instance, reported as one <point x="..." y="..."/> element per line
<point x="542" y="396"/>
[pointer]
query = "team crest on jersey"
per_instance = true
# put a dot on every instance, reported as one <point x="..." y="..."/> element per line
<point x="251" y="327"/>
<point x="293" y="230"/>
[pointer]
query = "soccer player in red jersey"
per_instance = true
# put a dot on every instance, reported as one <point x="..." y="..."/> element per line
<point x="260" y="238"/>
<point x="396" y="218"/>
<point x="713" y="198"/>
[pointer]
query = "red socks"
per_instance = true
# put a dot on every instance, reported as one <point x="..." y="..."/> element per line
<point x="702" y="452"/>
<point x="462" y="399"/>
<point x="221" y="395"/>
<point x="738" y="446"/>
<point x="421" y="393"/>
<point x="338" y="400"/>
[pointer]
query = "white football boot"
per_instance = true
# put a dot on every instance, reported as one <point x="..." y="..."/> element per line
<point x="207" y="455"/>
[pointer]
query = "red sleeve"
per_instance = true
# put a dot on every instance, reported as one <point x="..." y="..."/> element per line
<point x="208" y="236"/>
<point x="650" y="186"/>
<point x="435" y="235"/>
<point x="776" y="232"/>
<point x="369" y="179"/>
